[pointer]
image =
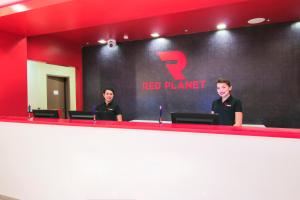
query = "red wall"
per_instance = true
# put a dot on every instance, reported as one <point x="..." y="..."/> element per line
<point x="13" y="75"/>
<point x="58" y="52"/>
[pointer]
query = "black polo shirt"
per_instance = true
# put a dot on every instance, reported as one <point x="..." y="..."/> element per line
<point x="111" y="107"/>
<point x="227" y="109"/>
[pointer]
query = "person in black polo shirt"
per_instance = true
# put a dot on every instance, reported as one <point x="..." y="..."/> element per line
<point x="229" y="108"/>
<point x="109" y="105"/>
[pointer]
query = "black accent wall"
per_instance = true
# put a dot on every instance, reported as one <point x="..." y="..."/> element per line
<point x="263" y="63"/>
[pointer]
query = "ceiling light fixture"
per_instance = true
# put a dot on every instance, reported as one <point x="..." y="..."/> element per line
<point x="102" y="41"/>
<point x="125" y="37"/>
<point x="9" y="2"/>
<point x="19" y="8"/>
<point x="154" y="35"/>
<point x="256" y="20"/>
<point x="221" y="26"/>
<point x="296" y="25"/>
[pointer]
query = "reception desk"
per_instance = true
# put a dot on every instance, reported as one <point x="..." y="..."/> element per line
<point x="60" y="159"/>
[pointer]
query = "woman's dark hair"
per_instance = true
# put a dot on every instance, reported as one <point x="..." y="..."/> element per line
<point x="110" y="89"/>
<point x="221" y="80"/>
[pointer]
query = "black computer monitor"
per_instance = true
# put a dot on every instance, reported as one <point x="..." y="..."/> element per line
<point x="81" y="115"/>
<point x="195" y="118"/>
<point x="45" y="113"/>
<point x="106" y="116"/>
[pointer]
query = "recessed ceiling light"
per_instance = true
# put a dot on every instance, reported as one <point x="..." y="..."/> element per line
<point x="221" y="26"/>
<point x="125" y="37"/>
<point x="256" y="20"/>
<point x="154" y="35"/>
<point x="19" y="8"/>
<point x="8" y="2"/>
<point x="296" y="25"/>
<point x="102" y="41"/>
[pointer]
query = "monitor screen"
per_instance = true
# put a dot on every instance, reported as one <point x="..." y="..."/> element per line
<point x="195" y="118"/>
<point x="81" y="115"/>
<point x="106" y="116"/>
<point x="45" y="113"/>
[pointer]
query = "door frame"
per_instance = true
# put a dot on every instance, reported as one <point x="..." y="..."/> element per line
<point x="66" y="93"/>
<point x="37" y="73"/>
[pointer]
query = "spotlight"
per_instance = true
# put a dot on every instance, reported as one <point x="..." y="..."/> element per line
<point x="221" y="26"/>
<point x="102" y="41"/>
<point x="125" y="37"/>
<point x="154" y="35"/>
<point x="256" y="20"/>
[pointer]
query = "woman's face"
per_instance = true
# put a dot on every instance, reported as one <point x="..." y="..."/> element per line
<point x="108" y="96"/>
<point x="223" y="90"/>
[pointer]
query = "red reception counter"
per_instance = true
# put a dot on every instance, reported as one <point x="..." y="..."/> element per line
<point x="58" y="159"/>
<point x="214" y="129"/>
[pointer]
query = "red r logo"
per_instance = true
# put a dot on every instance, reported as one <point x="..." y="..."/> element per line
<point x="175" y="69"/>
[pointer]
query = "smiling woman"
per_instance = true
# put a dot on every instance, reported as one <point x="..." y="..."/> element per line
<point x="109" y="107"/>
<point x="228" y="108"/>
